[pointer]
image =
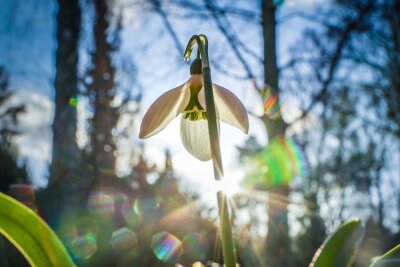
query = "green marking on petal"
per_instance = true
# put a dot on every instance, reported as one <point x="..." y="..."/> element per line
<point x="194" y="110"/>
<point x="195" y="115"/>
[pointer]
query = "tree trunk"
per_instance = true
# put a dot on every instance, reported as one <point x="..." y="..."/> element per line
<point x="103" y="86"/>
<point x="66" y="160"/>
<point x="65" y="149"/>
<point x="277" y="241"/>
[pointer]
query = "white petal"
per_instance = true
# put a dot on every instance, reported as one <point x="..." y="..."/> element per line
<point x="164" y="110"/>
<point x="195" y="138"/>
<point x="228" y="107"/>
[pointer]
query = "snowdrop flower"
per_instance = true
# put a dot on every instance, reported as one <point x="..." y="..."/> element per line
<point x="188" y="99"/>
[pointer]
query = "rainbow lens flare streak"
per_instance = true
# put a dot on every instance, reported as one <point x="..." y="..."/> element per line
<point x="73" y="102"/>
<point x="166" y="247"/>
<point x="277" y="164"/>
<point x="271" y="103"/>
<point x="283" y="160"/>
<point x="296" y="157"/>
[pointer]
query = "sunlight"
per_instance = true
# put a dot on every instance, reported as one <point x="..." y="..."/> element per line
<point x="230" y="187"/>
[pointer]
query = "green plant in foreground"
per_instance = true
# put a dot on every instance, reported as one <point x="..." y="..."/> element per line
<point x="31" y="235"/>
<point x="390" y="259"/>
<point x="41" y="247"/>
<point x="340" y="248"/>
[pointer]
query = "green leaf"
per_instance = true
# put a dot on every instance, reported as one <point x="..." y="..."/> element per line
<point x="31" y="235"/>
<point x="340" y="247"/>
<point x="390" y="259"/>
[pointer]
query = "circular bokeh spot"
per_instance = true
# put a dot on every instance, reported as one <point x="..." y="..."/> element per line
<point x="79" y="234"/>
<point x="195" y="246"/>
<point x="83" y="246"/>
<point x="123" y="240"/>
<point x="131" y="218"/>
<point x="146" y="208"/>
<point x="166" y="247"/>
<point x="102" y="204"/>
<point x="198" y="264"/>
<point x="144" y="205"/>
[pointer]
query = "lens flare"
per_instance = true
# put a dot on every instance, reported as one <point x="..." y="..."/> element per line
<point x="198" y="264"/>
<point x="123" y="240"/>
<point x="144" y="205"/>
<point x="283" y="161"/>
<point x="277" y="164"/>
<point x="194" y="246"/>
<point x="101" y="204"/>
<point x="171" y="204"/>
<point x="73" y="102"/>
<point x="83" y="247"/>
<point x="166" y="247"/>
<point x="131" y="217"/>
<point x="271" y="103"/>
<point x="79" y="233"/>
<point x="146" y="208"/>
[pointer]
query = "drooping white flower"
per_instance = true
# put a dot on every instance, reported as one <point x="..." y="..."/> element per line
<point x="188" y="99"/>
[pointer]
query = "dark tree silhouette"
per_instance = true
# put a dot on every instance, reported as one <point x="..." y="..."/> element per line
<point x="65" y="149"/>
<point x="10" y="171"/>
<point x="102" y="90"/>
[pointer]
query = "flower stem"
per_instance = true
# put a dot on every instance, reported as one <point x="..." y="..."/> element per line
<point x="228" y="247"/>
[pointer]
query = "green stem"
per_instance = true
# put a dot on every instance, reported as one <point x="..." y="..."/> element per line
<point x="228" y="247"/>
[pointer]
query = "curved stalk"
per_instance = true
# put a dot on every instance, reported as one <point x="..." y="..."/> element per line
<point x="228" y="247"/>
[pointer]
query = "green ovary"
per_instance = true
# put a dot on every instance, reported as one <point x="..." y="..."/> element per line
<point x="194" y="111"/>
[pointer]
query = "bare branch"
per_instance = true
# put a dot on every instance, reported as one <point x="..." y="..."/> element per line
<point x="245" y="14"/>
<point x="335" y="59"/>
<point x="168" y="26"/>
<point x="233" y="41"/>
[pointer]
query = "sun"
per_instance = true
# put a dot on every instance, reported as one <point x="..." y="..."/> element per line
<point x="230" y="187"/>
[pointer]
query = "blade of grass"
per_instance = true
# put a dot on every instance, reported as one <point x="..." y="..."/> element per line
<point x="31" y="235"/>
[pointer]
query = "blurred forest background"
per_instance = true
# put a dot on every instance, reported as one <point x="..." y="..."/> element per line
<point x="321" y="82"/>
